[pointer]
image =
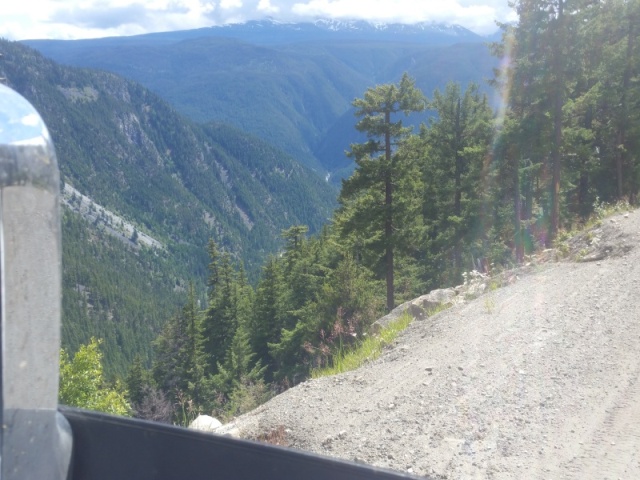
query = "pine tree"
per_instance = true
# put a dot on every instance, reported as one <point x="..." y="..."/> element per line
<point x="136" y="381"/>
<point x="221" y="321"/>
<point x="194" y="353"/>
<point x="604" y="124"/>
<point x="214" y="259"/>
<point x="267" y="319"/>
<point x="542" y="54"/>
<point x="456" y="148"/>
<point x="240" y="380"/>
<point x="294" y="238"/>
<point x="180" y="360"/>
<point x="367" y="198"/>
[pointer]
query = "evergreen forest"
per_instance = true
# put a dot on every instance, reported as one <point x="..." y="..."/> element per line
<point x="179" y="182"/>
<point x="471" y="189"/>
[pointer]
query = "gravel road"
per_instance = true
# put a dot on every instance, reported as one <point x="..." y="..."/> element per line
<point x="539" y="379"/>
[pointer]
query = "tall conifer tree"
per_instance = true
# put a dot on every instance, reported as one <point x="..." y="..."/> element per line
<point x="459" y="139"/>
<point x="367" y="197"/>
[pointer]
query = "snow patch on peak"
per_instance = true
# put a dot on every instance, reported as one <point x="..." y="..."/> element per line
<point x="329" y="27"/>
<point x="415" y="28"/>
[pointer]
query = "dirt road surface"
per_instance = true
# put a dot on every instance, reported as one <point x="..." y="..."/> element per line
<point x="536" y="380"/>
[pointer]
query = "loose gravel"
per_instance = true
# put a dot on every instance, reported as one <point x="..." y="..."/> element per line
<point x="538" y="379"/>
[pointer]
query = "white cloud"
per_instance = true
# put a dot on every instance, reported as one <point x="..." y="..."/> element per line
<point x="476" y="15"/>
<point x="230" y="4"/>
<point x="266" y="7"/>
<point x="99" y="18"/>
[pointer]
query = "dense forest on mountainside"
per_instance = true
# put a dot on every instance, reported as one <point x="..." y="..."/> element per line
<point x="293" y="91"/>
<point x="180" y="182"/>
<point x="116" y="293"/>
<point x="470" y="190"/>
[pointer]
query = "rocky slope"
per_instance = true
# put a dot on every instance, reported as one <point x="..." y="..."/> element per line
<point x="112" y="223"/>
<point x="539" y="379"/>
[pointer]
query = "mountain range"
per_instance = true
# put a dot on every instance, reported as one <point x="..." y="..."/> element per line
<point x="291" y="84"/>
<point x="270" y="31"/>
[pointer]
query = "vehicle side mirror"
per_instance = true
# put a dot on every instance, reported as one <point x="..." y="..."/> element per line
<point x="35" y="440"/>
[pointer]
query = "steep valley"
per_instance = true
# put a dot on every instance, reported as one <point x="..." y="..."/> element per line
<point x="289" y="84"/>
<point x="167" y="178"/>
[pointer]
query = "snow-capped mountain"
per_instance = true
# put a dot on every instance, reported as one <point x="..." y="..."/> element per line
<point x="413" y="29"/>
<point x="269" y="31"/>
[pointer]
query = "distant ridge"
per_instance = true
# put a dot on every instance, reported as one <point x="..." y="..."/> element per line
<point x="271" y="32"/>
<point x="290" y="84"/>
<point x="328" y="29"/>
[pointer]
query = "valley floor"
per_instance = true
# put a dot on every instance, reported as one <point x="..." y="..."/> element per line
<point x="539" y="379"/>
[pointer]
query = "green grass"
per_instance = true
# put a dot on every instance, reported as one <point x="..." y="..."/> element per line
<point x="602" y="209"/>
<point x="489" y="304"/>
<point x="366" y="351"/>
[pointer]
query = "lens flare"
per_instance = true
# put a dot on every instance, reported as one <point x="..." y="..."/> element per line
<point x="504" y="79"/>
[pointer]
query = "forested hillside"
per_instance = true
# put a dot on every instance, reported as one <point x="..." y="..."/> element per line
<point x="289" y="84"/>
<point x="182" y="183"/>
<point x="470" y="190"/>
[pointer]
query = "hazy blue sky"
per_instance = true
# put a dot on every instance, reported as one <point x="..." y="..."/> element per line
<point x="69" y="19"/>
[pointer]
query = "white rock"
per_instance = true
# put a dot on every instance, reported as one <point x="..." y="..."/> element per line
<point x="205" y="423"/>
